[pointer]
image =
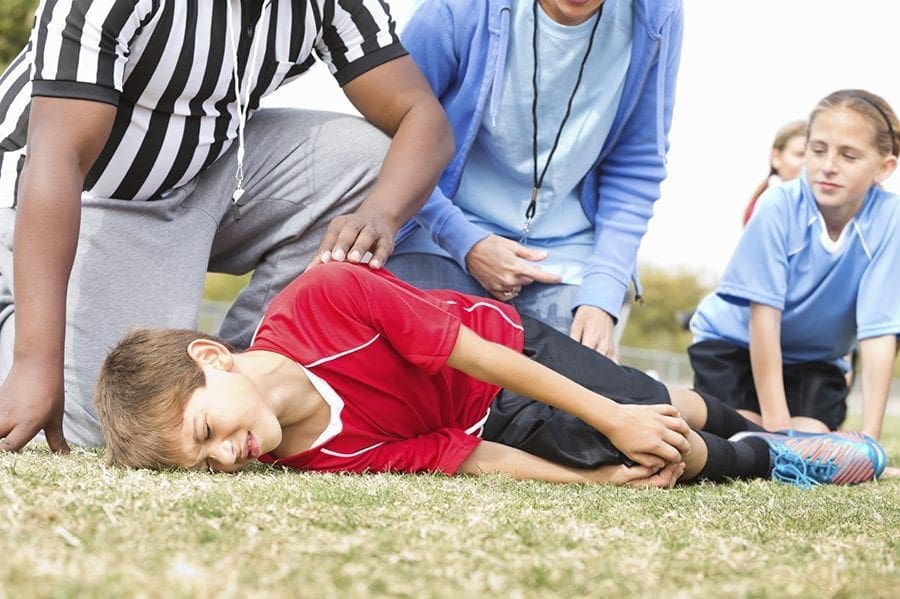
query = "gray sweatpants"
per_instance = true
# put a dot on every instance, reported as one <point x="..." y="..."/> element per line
<point x="143" y="264"/>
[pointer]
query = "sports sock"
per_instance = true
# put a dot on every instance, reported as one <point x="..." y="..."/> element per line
<point x="747" y="458"/>
<point x="722" y="420"/>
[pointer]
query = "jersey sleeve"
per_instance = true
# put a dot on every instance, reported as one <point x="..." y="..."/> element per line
<point x="878" y="303"/>
<point x="80" y="47"/>
<point x="757" y="271"/>
<point x="357" y="35"/>
<point x="340" y="299"/>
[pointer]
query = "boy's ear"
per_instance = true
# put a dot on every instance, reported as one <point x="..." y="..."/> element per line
<point x="211" y="353"/>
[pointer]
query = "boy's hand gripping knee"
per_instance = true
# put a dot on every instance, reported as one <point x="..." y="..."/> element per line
<point x="652" y="436"/>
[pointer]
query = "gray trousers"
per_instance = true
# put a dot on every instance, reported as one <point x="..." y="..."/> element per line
<point x="143" y="264"/>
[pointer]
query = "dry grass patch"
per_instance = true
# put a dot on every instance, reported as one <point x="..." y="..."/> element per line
<point x="75" y="528"/>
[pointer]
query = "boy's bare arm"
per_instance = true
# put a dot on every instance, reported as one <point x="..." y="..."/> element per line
<point x="649" y="435"/>
<point x="877" y="355"/>
<point x="495" y="458"/>
<point x="765" y="361"/>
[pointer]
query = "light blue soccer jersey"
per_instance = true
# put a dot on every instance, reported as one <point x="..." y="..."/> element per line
<point x="831" y="293"/>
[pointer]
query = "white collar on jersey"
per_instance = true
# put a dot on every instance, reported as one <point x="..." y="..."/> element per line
<point x="833" y="246"/>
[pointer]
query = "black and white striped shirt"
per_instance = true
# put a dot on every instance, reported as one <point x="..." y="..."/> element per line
<point x="168" y="67"/>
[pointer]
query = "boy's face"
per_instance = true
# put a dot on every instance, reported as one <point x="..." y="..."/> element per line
<point x="227" y="424"/>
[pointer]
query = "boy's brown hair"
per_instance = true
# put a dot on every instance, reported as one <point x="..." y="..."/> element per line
<point x="142" y="389"/>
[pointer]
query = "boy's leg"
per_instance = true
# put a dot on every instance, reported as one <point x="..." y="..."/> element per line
<point x="715" y="459"/>
<point x="705" y="412"/>
<point x="303" y="168"/>
<point x="562" y="438"/>
<point x="556" y="435"/>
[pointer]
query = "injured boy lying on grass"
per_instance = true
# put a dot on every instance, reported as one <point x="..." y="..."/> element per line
<point x="352" y="370"/>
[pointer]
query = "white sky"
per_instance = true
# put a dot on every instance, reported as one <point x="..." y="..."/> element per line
<point x="746" y="69"/>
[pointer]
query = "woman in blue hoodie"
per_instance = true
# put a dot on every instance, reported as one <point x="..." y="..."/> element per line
<point x="561" y="111"/>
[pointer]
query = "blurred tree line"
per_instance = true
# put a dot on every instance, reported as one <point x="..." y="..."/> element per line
<point x="16" y="19"/>
<point x="669" y="296"/>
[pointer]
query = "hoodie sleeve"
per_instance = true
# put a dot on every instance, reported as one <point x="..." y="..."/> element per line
<point x="629" y="180"/>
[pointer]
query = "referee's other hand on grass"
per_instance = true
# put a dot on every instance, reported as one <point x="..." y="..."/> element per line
<point x="28" y="404"/>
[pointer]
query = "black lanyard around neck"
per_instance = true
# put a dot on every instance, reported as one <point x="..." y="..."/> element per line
<point x="539" y="180"/>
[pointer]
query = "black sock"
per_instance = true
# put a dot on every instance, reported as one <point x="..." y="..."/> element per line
<point x="747" y="458"/>
<point x="722" y="420"/>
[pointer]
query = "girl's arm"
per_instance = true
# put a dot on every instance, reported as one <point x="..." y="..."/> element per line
<point x="649" y="435"/>
<point x="765" y="360"/>
<point x="877" y="355"/>
<point x="495" y="458"/>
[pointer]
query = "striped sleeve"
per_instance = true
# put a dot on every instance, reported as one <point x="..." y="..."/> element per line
<point x="356" y="36"/>
<point x="15" y="95"/>
<point x="80" y="47"/>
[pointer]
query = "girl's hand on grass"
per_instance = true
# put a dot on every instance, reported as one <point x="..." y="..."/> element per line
<point x="653" y="436"/>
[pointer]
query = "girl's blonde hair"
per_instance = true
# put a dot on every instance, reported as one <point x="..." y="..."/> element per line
<point x="875" y="110"/>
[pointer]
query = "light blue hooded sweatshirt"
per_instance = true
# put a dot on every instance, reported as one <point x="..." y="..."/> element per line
<point x="461" y="47"/>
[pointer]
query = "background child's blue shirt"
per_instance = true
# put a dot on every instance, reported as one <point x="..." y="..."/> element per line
<point x="831" y="293"/>
<point x="461" y="45"/>
<point x="496" y="185"/>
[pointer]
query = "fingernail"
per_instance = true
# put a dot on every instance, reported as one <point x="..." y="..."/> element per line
<point x="338" y="255"/>
<point x="326" y="256"/>
<point x="375" y="263"/>
<point x="354" y="256"/>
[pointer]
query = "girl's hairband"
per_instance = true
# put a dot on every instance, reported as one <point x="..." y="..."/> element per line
<point x="884" y="115"/>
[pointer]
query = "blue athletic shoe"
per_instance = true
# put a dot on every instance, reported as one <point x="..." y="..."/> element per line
<point x="808" y="459"/>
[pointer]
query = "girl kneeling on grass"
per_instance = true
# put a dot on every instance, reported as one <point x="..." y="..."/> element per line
<point x="814" y="273"/>
<point x="352" y="370"/>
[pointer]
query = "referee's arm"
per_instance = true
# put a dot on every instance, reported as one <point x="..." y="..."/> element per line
<point x="395" y="97"/>
<point x="65" y="136"/>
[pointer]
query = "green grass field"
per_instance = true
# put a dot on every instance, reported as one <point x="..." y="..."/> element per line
<point x="73" y="528"/>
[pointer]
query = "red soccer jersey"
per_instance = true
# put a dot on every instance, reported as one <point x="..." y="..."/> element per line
<point x="377" y="350"/>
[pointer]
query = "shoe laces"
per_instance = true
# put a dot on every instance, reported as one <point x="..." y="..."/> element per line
<point x="787" y="467"/>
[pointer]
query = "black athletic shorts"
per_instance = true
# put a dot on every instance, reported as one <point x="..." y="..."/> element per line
<point x="556" y="435"/>
<point x="813" y="389"/>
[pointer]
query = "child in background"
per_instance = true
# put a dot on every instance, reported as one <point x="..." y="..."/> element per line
<point x="814" y="272"/>
<point x="352" y="370"/>
<point x="785" y="161"/>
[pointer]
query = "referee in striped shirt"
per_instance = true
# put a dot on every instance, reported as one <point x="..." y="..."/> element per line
<point x="134" y="159"/>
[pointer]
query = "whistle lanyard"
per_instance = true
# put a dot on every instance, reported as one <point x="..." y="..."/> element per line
<point x="238" y="198"/>
<point x="538" y="180"/>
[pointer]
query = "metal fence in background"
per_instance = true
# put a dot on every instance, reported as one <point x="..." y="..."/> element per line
<point x="672" y="368"/>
